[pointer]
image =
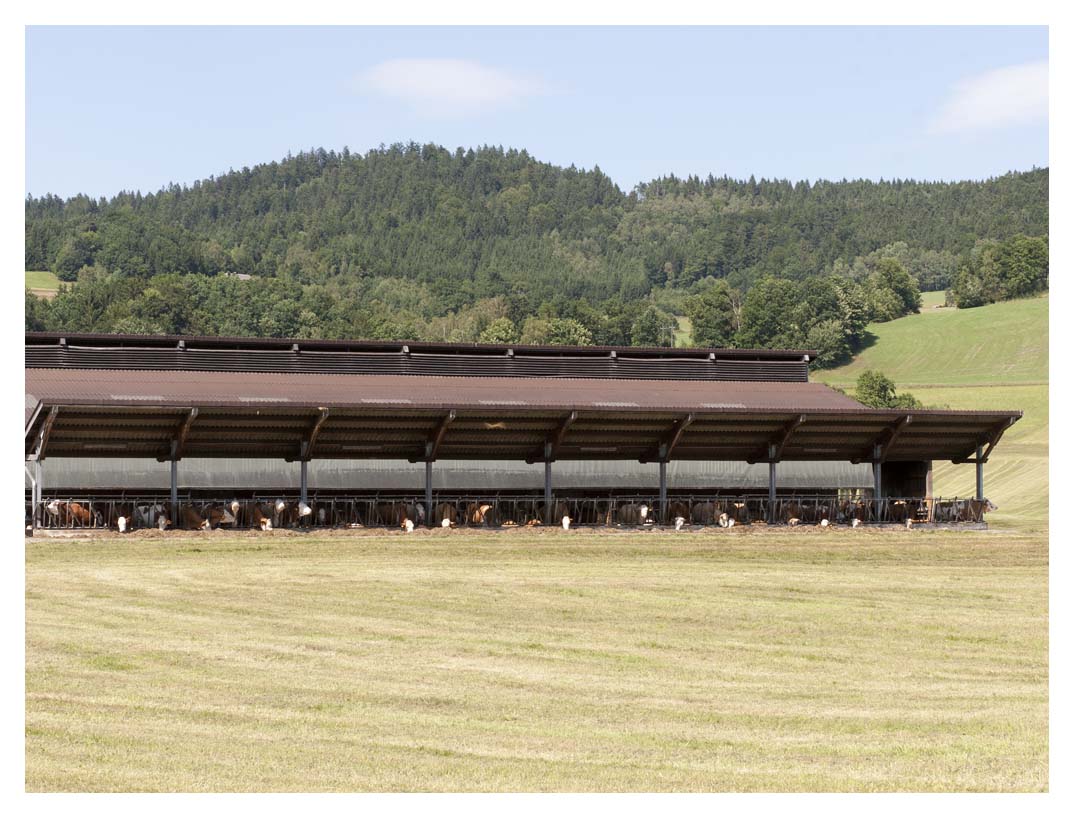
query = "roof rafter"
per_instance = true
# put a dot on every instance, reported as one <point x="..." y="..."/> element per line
<point x="306" y="447"/>
<point x="663" y="450"/>
<point x="43" y="435"/>
<point x="773" y="452"/>
<point x="879" y="451"/>
<point x="179" y="441"/>
<point x="550" y="448"/>
<point x="432" y="445"/>
<point x="991" y="441"/>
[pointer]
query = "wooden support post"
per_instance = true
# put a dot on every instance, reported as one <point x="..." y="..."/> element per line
<point x="548" y="484"/>
<point x="429" y="493"/>
<point x="980" y="473"/>
<point x="303" y="479"/>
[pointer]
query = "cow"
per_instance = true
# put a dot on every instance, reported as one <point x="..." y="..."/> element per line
<point x="74" y="514"/>
<point x="255" y="515"/>
<point x="725" y="520"/>
<point x="191" y="520"/>
<point x="973" y="511"/>
<point x="679" y="513"/>
<point x="391" y="514"/>
<point x="851" y="510"/>
<point x="217" y="516"/>
<point x="704" y="513"/>
<point x="481" y="514"/>
<point x="899" y="511"/>
<point x="632" y="514"/>
<point x="121" y="517"/>
<point x="560" y="509"/>
<point x="447" y="514"/>
<point x="286" y="515"/>
<point x="152" y="515"/>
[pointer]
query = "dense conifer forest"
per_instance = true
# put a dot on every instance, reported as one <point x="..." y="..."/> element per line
<point x="416" y="241"/>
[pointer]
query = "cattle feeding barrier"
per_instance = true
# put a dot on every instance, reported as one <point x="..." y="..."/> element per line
<point x="484" y="510"/>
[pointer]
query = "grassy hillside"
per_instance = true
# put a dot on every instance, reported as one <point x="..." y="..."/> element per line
<point x="742" y="660"/>
<point x="42" y="283"/>
<point x="993" y="357"/>
<point x="998" y="343"/>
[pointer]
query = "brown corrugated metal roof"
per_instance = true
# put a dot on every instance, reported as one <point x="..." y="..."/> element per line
<point x="136" y="413"/>
<point x="240" y="389"/>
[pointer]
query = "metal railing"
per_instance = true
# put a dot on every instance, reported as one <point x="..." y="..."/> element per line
<point x="394" y="509"/>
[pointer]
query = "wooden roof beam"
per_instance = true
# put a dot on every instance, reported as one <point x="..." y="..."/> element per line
<point x="878" y="451"/>
<point x="432" y="445"/>
<point x="179" y="441"/>
<point x="774" y="450"/>
<point x="991" y="442"/>
<point x="663" y="451"/>
<point x="550" y="448"/>
<point x="43" y="435"/>
<point x="306" y="447"/>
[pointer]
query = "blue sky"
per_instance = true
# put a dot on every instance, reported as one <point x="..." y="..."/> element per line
<point x="136" y="108"/>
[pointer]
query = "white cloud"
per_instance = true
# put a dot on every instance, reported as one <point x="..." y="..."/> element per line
<point x="1013" y="95"/>
<point x="447" y="86"/>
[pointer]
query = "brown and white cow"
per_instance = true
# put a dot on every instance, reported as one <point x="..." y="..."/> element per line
<point x="446" y="515"/>
<point x="633" y="514"/>
<point x="481" y="514"/>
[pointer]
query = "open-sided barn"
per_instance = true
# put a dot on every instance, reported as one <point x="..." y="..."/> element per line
<point x="164" y="399"/>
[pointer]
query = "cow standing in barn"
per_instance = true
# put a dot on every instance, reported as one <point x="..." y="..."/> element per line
<point x="483" y="514"/>
<point x="191" y="520"/>
<point x="446" y="514"/>
<point x="73" y="514"/>
<point x="633" y="514"/>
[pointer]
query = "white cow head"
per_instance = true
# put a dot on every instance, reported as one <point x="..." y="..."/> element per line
<point x="408" y="526"/>
<point x="304" y="510"/>
<point x="644" y="511"/>
<point x="121" y="524"/>
<point x="679" y="523"/>
<point x="566" y="523"/>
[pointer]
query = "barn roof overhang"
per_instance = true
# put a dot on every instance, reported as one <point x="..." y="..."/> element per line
<point x="102" y="413"/>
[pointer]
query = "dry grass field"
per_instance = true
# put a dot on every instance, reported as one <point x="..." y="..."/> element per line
<point x="746" y="660"/>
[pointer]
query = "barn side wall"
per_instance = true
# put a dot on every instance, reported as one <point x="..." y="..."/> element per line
<point x="372" y="475"/>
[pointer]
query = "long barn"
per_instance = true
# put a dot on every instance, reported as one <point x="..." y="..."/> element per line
<point x="718" y="419"/>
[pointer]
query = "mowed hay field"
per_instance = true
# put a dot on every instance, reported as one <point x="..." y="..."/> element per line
<point x="991" y="357"/>
<point x="745" y="660"/>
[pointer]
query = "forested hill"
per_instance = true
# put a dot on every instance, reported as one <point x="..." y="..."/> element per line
<point x="427" y="232"/>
